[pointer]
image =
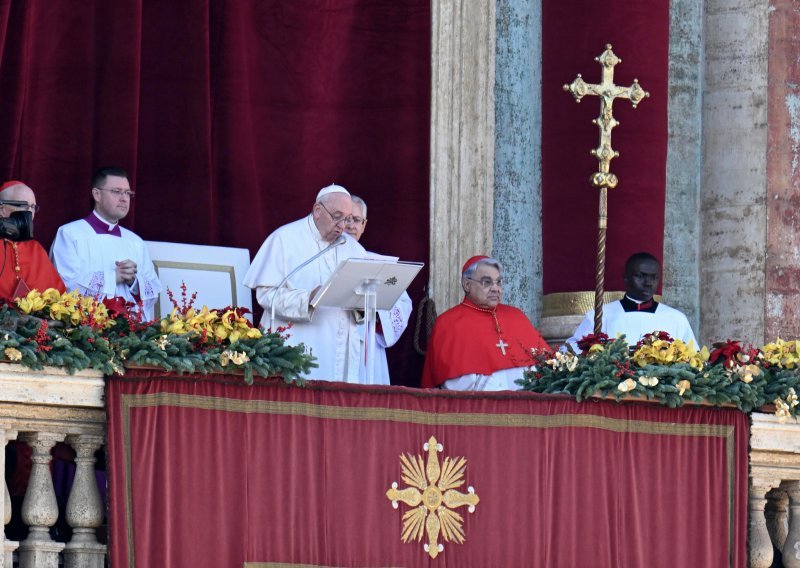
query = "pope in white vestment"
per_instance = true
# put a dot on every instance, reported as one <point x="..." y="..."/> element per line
<point x="98" y="257"/>
<point x="330" y="334"/>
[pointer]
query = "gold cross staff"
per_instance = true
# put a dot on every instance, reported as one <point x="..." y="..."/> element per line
<point x="603" y="178"/>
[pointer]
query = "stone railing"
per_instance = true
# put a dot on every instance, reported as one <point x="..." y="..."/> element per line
<point x="774" y="491"/>
<point x="43" y="409"/>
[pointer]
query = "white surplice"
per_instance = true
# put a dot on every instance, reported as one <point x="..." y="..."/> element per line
<point x="330" y="334"/>
<point x="504" y="379"/>
<point x="634" y="325"/>
<point x="393" y="323"/>
<point x="85" y="259"/>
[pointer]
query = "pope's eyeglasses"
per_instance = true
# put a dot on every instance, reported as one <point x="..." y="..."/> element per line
<point x="337" y="219"/>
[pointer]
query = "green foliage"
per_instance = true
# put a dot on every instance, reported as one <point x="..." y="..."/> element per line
<point x="35" y="343"/>
<point x="610" y="371"/>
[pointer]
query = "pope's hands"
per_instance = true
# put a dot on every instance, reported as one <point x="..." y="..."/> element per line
<point x="126" y="272"/>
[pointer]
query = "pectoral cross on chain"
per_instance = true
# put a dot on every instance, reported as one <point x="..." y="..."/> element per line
<point x="603" y="178"/>
<point x="502" y="346"/>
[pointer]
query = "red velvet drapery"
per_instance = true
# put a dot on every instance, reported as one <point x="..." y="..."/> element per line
<point x="229" y="116"/>
<point x="206" y="473"/>
<point x="573" y="33"/>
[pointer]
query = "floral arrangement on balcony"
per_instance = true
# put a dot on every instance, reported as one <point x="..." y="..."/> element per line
<point x="672" y="372"/>
<point x="77" y="332"/>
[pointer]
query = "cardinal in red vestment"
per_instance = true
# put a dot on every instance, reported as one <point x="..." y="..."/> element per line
<point x="480" y="344"/>
<point x="24" y="265"/>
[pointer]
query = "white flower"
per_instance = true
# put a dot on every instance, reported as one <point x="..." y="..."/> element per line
<point x="648" y="381"/>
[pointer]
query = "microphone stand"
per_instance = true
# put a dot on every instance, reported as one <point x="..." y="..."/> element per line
<point x="339" y="241"/>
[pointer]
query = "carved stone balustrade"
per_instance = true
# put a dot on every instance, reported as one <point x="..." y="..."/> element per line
<point x="42" y="408"/>
<point x="774" y="491"/>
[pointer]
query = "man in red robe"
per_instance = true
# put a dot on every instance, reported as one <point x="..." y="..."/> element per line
<point x="25" y="265"/>
<point x="480" y="344"/>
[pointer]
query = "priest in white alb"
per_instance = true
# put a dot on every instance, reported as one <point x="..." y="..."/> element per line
<point x="98" y="257"/>
<point x="391" y="323"/>
<point x="637" y="313"/>
<point x="330" y="334"/>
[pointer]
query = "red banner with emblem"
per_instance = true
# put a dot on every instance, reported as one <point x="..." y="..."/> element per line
<point x="208" y="472"/>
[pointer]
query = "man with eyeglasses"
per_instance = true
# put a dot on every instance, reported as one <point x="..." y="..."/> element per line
<point x="481" y="344"/>
<point x="100" y="258"/>
<point x="25" y="265"/>
<point x="391" y="323"/>
<point x="637" y="313"/>
<point x="330" y="334"/>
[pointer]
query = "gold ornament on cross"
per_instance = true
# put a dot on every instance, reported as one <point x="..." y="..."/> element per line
<point x="603" y="178"/>
<point x="433" y="496"/>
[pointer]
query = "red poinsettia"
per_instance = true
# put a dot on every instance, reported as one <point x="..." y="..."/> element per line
<point x="649" y="338"/>
<point x="732" y="353"/>
<point x="585" y="343"/>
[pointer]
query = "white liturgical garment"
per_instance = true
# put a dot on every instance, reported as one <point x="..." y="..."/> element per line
<point x="634" y="325"/>
<point x="330" y="334"/>
<point x="85" y="253"/>
<point x="504" y="379"/>
<point x="393" y="323"/>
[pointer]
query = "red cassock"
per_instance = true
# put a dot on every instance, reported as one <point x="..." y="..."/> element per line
<point x="465" y="340"/>
<point x="35" y="269"/>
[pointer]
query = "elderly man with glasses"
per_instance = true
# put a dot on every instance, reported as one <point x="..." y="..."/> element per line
<point x="330" y="334"/>
<point x="480" y="344"/>
<point x="25" y="265"/>
<point x="98" y="257"/>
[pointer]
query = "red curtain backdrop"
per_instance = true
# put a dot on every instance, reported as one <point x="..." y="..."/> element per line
<point x="574" y="32"/>
<point x="229" y="116"/>
<point x="204" y="473"/>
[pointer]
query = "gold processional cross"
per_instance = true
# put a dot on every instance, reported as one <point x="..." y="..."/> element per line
<point x="603" y="178"/>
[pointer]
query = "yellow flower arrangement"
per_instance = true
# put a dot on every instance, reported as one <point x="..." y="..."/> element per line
<point x="663" y="352"/>
<point x="70" y="308"/>
<point x="783" y="354"/>
<point x="230" y="326"/>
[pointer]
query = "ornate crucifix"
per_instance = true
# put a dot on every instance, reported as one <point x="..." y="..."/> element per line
<point x="603" y="178"/>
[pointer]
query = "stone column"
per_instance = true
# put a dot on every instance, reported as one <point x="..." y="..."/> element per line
<point x="777" y="518"/>
<point x="782" y="317"/>
<point x="760" y="545"/>
<point x="462" y="141"/>
<point x="84" y="507"/>
<point x="680" y="282"/>
<point x="9" y="546"/>
<point x="517" y="240"/>
<point x="733" y="207"/>
<point x="791" y="548"/>
<point x="39" y="508"/>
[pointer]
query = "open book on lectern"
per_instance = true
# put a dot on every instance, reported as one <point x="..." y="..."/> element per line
<point x="392" y="277"/>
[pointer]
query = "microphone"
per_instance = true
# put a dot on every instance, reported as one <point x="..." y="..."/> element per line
<point x="338" y="242"/>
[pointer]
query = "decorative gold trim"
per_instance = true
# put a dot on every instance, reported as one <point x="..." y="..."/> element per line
<point x="291" y="565"/>
<point x="560" y="304"/>
<point x="433" y="498"/>
<point x="199" y="266"/>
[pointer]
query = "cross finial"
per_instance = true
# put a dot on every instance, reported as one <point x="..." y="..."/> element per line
<point x="607" y="91"/>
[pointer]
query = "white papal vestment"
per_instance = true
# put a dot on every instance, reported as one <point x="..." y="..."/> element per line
<point x="393" y="323"/>
<point x="331" y="334"/>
